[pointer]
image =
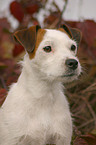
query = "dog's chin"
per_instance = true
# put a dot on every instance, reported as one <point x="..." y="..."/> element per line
<point x="67" y="78"/>
<point x="64" y="77"/>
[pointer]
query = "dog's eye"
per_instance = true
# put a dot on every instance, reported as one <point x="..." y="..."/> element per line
<point x="47" y="48"/>
<point x="73" y="47"/>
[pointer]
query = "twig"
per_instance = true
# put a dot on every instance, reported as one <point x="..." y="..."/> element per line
<point x="76" y="103"/>
<point x="90" y="109"/>
<point x="89" y="88"/>
<point x="86" y="123"/>
<point x="53" y="25"/>
<point x="79" y="117"/>
<point x="64" y="8"/>
<point x="3" y="83"/>
<point x="80" y="109"/>
<point x="57" y="22"/>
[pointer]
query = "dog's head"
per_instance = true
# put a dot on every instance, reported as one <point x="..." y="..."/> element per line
<point x="52" y="51"/>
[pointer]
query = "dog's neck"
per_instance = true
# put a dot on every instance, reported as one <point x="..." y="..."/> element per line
<point x="40" y="86"/>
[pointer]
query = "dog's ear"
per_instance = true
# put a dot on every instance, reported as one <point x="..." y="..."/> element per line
<point x="66" y="29"/>
<point x="74" y="33"/>
<point x="27" y="37"/>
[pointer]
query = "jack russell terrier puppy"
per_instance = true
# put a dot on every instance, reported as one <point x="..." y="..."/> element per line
<point x="36" y="111"/>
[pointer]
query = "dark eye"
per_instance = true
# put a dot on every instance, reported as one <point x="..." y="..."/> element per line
<point x="47" y="49"/>
<point x="73" y="47"/>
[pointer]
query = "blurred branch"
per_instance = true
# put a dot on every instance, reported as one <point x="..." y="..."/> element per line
<point x="3" y="83"/>
<point x="90" y="109"/>
<point x="60" y="19"/>
<point x="57" y="22"/>
<point x="90" y="88"/>
<point x="85" y="124"/>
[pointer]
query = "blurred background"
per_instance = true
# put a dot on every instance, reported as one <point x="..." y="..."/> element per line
<point x="81" y="14"/>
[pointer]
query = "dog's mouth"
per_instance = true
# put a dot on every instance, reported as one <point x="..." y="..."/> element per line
<point x="69" y="75"/>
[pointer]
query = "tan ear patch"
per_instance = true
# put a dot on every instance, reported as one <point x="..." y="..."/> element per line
<point x="30" y="38"/>
<point x="39" y="38"/>
<point x="62" y="30"/>
<point x="27" y="37"/>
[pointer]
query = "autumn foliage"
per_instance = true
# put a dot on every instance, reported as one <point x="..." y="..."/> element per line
<point x="82" y="93"/>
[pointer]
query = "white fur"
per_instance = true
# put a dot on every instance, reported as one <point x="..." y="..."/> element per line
<point x="36" y="111"/>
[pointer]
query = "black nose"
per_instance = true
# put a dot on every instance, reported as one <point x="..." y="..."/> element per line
<point x="71" y="63"/>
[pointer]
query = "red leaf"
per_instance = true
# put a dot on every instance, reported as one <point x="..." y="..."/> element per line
<point x="31" y="9"/>
<point x="17" y="10"/>
<point x="3" y="94"/>
<point x="17" y="49"/>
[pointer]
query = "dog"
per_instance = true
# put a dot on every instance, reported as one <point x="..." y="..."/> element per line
<point x="36" y="111"/>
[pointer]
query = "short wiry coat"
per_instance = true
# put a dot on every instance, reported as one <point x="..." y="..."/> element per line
<point x="36" y="111"/>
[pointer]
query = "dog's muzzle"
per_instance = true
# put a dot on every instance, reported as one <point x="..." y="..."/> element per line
<point x="71" y="64"/>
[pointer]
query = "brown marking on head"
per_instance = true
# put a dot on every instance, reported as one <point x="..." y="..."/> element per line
<point x="30" y="39"/>
<point x="73" y="33"/>
<point x="39" y="38"/>
<point x="62" y="30"/>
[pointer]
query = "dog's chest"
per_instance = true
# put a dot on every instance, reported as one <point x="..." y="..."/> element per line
<point x="44" y="114"/>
